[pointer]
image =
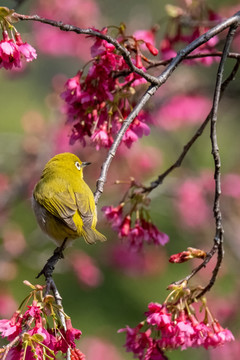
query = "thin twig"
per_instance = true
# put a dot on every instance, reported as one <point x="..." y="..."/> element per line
<point x="154" y="63"/>
<point x="93" y="33"/>
<point x="218" y="239"/>
<point x="196" y="135"/>
<point x="199" y="267"/>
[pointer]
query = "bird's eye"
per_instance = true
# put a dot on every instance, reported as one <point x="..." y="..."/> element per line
<point x="78" y="165"/>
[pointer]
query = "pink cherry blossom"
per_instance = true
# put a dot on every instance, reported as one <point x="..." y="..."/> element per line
<point x="125" y="226"/>
<point x="25" y="49"/>
<point x="167" y="327"/>
<point x="9" y="53"/>
<point x="11" y="328"/>
<point x="158" y="315"/>
<point x="153" y="235"/>
<point x="135" y="230"/>
<point x="96" y="104"/>
<point x="114" y="215"/>
<point x="101" y="138"/>
<point x="31" y="325"/>
<point x="13" y="51"/>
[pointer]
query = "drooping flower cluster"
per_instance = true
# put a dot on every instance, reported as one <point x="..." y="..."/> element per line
<point x="175" y="325"/>
<point x="12" y="49"/>
<point x="186" y="25"/>
<point x="132" y="221"/>
<point x="35" y="331"/>
<point x="98" y="103"/>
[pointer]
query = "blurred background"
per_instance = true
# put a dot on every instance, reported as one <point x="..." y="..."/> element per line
<point x="104" y="287"/>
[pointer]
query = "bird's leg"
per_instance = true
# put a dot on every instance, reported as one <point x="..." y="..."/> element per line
<point x="50" y="265"/>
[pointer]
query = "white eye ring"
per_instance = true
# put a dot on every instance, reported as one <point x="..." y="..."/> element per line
<point x="78" y="165"/>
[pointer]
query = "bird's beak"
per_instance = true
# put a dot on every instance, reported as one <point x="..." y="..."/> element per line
<point x="85" y="164"/>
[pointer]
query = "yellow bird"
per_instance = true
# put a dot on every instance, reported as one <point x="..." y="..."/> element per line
<point x="63" y="203"/>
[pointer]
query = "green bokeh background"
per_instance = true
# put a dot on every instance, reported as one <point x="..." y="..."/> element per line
<point x="121" y="299"/>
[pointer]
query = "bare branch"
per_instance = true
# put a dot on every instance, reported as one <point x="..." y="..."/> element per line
<point x="90" y="32"/>
<point x="154" y="63"/>
<point x="218" y="239"/>
<point x="217" y="161"/>
<point x="198" y="133"/>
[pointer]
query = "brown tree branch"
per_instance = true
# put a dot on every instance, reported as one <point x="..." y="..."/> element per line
<point x="196" y="135"/>
<point x="93" y="33"/>
<point x="153" y="63"/>
<point x="218" y="239"/>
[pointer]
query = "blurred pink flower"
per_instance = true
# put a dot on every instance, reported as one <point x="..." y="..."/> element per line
<point x="99" y="349"/>
<point x="133" y="263"/>
<point x="179" y="35"/>
<point x="167" y="52"/>
<point x="182" y="110"/>
<point x="192" y="201"/>
<point x="7" y="305"/>
<point x="140" y="166"/>
<point x="80" y="13"/>
<point x="13" y="240"/>
<point x="4" y="183"/>
<point x="191" y="204"/>
<point x="86" y="270"/>
<point x="231" y="185"/>
<point x="229" y="351"/>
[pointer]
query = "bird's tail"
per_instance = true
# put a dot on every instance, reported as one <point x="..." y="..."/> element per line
<point x="91" y="235"/>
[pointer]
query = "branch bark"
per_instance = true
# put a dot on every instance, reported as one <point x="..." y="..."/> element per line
<point x="196" y="135"/>
<point x="218" y="239"/>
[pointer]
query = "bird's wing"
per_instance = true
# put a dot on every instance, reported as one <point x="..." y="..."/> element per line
<point x="60" y="205"/>
<point x="85" y="207"/>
